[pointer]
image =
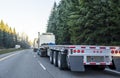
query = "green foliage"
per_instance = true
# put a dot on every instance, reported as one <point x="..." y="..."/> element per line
<point x="89" y="22"/>
<point x="9" y="37"/>
<point x="3" y="51"/>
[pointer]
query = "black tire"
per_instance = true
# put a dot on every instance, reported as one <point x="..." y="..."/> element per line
<point x="51" y="57"/>
<point x="55" y="58"/>
<point x="62" y="63"/>
<point x="68" y="65"/>
<point x="41" y="53"/>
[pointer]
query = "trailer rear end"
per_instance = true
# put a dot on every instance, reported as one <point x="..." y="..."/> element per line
<point x="115" y="53"/>
<point x="76" y="57"/>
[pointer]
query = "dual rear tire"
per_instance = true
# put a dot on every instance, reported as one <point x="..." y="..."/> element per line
<point x="51" y="57"/>
<point x="58" y="59"/>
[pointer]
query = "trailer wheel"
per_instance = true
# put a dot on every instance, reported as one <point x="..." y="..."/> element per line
<point x="51" y="57"/>
<point x="55" y="58"/>
<point x="41" y="53"/>
<point x="62" y="63"/>
<point x="59" y="61"/>
<point x="68" y="64"/>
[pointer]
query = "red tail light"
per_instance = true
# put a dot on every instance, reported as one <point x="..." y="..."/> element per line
<point x="82" y="51"/>
<point x="112" y="51"/>
<point x="78" y="51"/>
<point x="75" y="51"/>
<point x="116" y="51"/>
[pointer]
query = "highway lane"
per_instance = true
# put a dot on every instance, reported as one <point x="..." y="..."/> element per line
<point x="27" y="64"/>
<point x="4" y="55"/>
<point x="89" y="73"/>
<point x="22" y="65"/>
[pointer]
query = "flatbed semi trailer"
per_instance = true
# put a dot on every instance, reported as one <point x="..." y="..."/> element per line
<point x="77" y="57"/>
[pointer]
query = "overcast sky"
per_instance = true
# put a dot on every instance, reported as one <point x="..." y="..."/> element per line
<point x="29" y="16"/>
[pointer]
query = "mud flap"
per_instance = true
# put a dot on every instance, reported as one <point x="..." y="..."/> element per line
<point x="76" y="63"/>
<point x="117" y="63"/>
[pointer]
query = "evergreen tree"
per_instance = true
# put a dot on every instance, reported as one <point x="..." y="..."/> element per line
<point x="9" y="37"/>
<point x="1" y="36"/>
<point x="90" y="22"/>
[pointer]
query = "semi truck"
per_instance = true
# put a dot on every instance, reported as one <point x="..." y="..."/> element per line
<point x="78" y="57"/>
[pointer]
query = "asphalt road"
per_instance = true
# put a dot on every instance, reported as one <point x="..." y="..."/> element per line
<point x="27" y="64"/>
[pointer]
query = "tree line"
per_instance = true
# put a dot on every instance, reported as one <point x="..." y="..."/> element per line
<point x="9" y="37"/>
<point x="87" y="22"/>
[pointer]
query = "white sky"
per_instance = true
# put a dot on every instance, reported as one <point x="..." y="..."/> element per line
<point x="29" y="16"/>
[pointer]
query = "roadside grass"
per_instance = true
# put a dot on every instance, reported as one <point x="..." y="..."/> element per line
<point x="3" y="51"/>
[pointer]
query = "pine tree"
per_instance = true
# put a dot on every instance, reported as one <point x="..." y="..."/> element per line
<point x="1" y="36"/>
<point x="90" y="22"/>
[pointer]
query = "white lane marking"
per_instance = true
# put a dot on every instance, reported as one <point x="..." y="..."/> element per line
<point x="114" y="71"/>
<point x="4" y="58"/>
<point x="41" y="65"/>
